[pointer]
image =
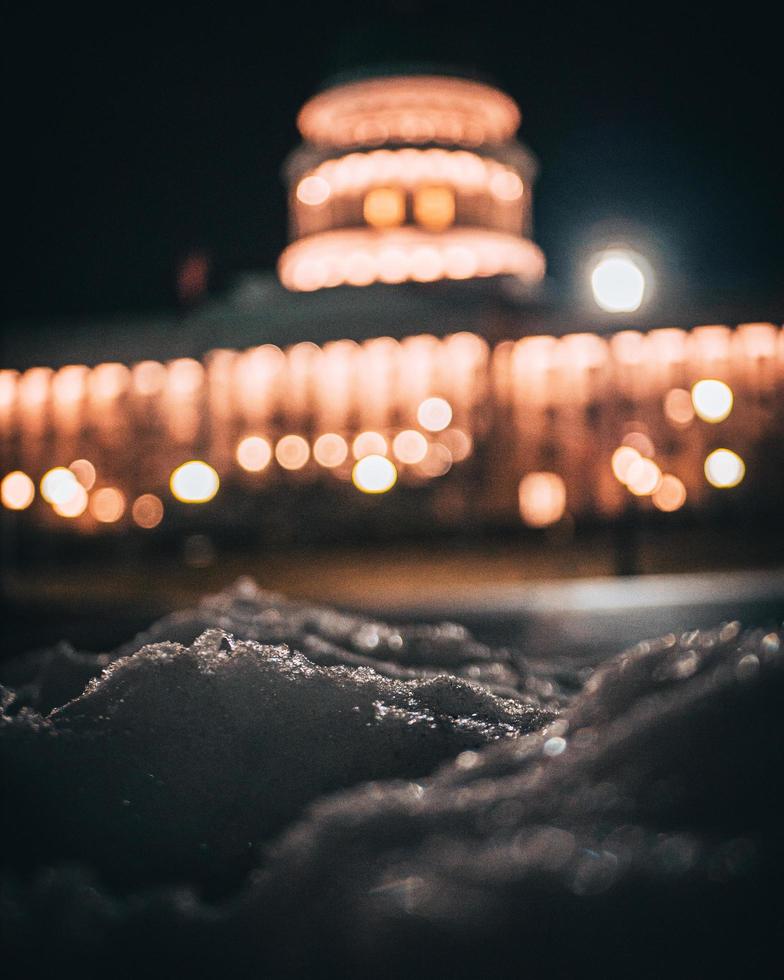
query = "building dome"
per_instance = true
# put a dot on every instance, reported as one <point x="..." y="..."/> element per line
<point x="409" y="178"/>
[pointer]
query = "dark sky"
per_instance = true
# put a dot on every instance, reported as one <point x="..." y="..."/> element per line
<point x="136" y="137"/>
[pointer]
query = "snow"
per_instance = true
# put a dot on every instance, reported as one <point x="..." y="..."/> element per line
<point x="258" y="786"/>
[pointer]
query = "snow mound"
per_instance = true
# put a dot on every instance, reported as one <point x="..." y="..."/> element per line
<point x="259" y="788"/>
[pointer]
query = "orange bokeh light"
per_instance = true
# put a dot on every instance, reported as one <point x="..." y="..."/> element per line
<point x="253" y="453"/>
<point x="369" y="443"/>
<point x="678" y="406"/>
<point x="643" y="477"/>
<point x="17" y="490"/>
<point x="147" y="511"/>
<point x="330" y="450"/>
<point x="292" y="452"/>
<point x="409" y="446"/>
<point x="542" y="498"/>
<point x="107" y="505"/>
<point x="84" y="471"/>
<point x="670" y="494"/>
<point x="434" y="414"/>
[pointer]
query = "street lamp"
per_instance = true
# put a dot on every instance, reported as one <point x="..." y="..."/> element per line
<point x="618" y="280"/>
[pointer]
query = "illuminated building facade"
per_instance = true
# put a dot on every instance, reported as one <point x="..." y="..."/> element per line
<point x="430" y="390"/>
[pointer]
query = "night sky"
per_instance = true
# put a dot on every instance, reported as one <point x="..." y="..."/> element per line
<point x="136" y="138"/>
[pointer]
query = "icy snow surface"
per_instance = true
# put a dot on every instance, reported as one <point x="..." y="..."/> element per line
<point x="258" y="787"/>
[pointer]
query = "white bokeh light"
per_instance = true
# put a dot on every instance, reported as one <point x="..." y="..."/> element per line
<point x="618" y="281"/>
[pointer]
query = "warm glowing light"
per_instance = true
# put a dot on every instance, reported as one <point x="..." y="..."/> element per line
<point x="409" y="446"/>
<point x="374" y="474"/>
<point x="369" y="444"/>
<point x="643" y="477"/>
<point x="73" y="506"/>
<point x="69" y="383"/>
<point x="330" y="450"/>
<point x="359" y="256"/>
<point x="147" y="510"/>
<point x="437" y="461"/>
<point x="84" y="471"/>
<point x="17" y="490"/>
<point x="384" y="207"/>
<point x="724" y="469"/>
<point x="618" y="282"/>
<point x="434" y="207"/>
<point x="108" y="381"/>
<point x="107" y="505"/>
<point x="712" y="400"/>
<point x="292" y="452"/>
<point x="8" y="385"/>
<point x="148" y="377"/>
<point x="622" y="460"/>
<point x="458" y="443"/>
<point x="185" y="376"/>
<point x="409" y="109"/>
<point x="670" y="494"/>
<point x="409" y="168"/>
<point x="58" y="485"/>
<point x="313" y="190"/>
<point x="194" y="482"/>
<point x="426" y="264"/>
<point x="434" y="414"/>
<point x="506" y="185"/>
<point x="254" y="453"/>
<point x="542" y="498"/>
<point x="639" y="441"/>
<point x="678" y="406"/>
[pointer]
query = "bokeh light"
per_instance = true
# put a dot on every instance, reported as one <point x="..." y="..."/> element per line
<point x="330" y="450"/>
<point x="542" y="498"/>
<point x="147" y="510"/>
<point x="73" y="506"/>
<point x="434" y="414"/>
<point x="670" y="494"/>
<point x="313" y="190"/>
<point x="409" y="446"/>
<point x="253" y="453"/>
<point x="437" y="461"/>
<point x="292" y="452"/>
<point x="369" y="444"/>
<point x="84" y="471"/>
<point x="194" y="482"/>
<point x="17" y="490"/>
<point x="712" y="400"/>
<point x="724" y="469"/>
<point x="374" y="474"/>
<point x="643" y="477"/>
<point x="678" y="406"/>
<point x="639" y="441"/>
<point x="459" y="443"/>
<point x="622" y="460"/>
<point x="618" y="282"/>
<point x="506" y="185"/>
<point x="107" y="505"/>
<point x="58" y="485"/>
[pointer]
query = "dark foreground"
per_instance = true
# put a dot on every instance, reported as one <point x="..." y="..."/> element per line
<point x="262" y="788"/>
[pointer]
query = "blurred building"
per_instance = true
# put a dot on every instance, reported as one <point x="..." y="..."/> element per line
<point x="410" y="371"/>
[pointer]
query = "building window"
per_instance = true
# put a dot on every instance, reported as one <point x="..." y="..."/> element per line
<point x="385" y="207"/>
<point x="434" y="207"/>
